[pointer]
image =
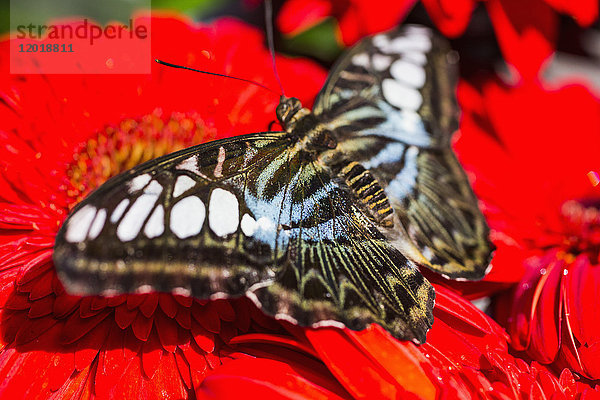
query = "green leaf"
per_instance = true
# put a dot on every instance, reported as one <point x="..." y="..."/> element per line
<point x="318" y="42"/>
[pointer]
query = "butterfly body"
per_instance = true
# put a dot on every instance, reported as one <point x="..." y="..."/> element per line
<point x="323" y="223"/>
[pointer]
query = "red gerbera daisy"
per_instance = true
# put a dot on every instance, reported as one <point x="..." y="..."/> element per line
<point x="526" y="31"/>
<point x="532" y="152"/>
<point x="62" y="136"/>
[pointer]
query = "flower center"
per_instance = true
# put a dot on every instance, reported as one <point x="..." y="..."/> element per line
<point x="120" y="147"/>
<point x="582" y="233"/>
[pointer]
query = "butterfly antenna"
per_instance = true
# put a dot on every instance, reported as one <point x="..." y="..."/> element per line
<point x="215" y="74"/>
<point x="270" y="41"/>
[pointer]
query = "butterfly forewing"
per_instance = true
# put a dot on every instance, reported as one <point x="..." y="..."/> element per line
<point x="391" y="103"/>
<point x="154" y="226"/>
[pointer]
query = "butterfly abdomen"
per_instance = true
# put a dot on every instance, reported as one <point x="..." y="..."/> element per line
<point x="369" y="192"/>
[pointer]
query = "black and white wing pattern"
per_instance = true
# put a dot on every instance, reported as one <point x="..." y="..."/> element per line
<point x="323" y="224"/>
<point x="391" y="104"/>
<point x="254" y="215"/>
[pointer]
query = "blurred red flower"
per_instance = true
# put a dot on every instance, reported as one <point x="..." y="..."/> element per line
<point x="531" y="153"/>
<point x="526" y="31"/>
<point x="62" y="136"/>
<point x="356" y="18"/>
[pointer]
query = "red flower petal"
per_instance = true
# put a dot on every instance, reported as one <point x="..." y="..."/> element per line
<point x="31" y="329"/>
<point x="207" y="316"/>
<point x="184" y="317"/>
<point x="167" y="332"/>
<point x="168" y="305"/>
<point x="580" y="292"/>
<point x="41" y="307"/>
<point x="297" y="16"/>
<point x="197" y="362"/>
<point x="224" y="309"/>
<point x="76" y="327"/>
<point x="547" y="306"/>
<point x="526" y="42"/>
<point x="152" y="353"/>
<point x="450" y="17"/>
<point x="260" y="378"/>
<point x="149" y="305"/>
<point x="203" y="338"/>
<point x="353" y="368"/>
<point x="400" y="359"/>
<point x="364" y="18"/>
<point x="271" y="339"/>
<point x="585" y="12"/>
<point x="166" y="379"/>
<point x="356" y="18"/>
<point x="184" y="370"/>
<point x="142" y="326"/>
<point x="124" y="317"/>
<point x="87" y="349"/>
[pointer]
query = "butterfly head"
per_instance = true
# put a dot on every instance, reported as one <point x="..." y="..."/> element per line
<point x="289" y="112"/>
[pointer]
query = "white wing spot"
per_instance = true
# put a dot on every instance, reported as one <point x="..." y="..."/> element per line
<point x="144" y="289"/>
<point x="132" y="222"/>
<point x="415" y="57"/>
<point x="328" y="323"/>
<point x="182" y="184"/>
<point x="98" y="224"/>
<point x="220" y="160"/>
<point x="419" y="29"/>
<point x="414" y="42"/>
<point x="362" y="60"/>
<point x="380" y="40"/>
<point x="248" y="225"/>
<point x="118" y="211"/>
<point x="181" y="291"/>
<point x="408" y="73"/>
<point x="139" y="182"/>
<point x="223" y="214"/>
<point x="187" y="217"/>
<point x="154" y="188"/>
<point x="189" y="164"/>
<point x="286" y="317"/>
<point x="381" y="62"/>
<point x="79" y="224"/>
<point x="401" y="96"/>
<point x="427" y="253"/>
<point x="156" y="224"/>
<point x="410" y="123"/>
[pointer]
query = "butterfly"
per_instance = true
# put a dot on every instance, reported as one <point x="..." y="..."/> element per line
<point x="322" y="224"/>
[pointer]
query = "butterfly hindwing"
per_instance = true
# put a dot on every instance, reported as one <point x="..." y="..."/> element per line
<point x="251" y="215"/>
<point x="391" y="103"/>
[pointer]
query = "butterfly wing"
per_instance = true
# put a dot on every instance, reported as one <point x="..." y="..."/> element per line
<point x="250" y="216"/>
<point x="152" y="226"/>
<point x="391" y="103"/>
